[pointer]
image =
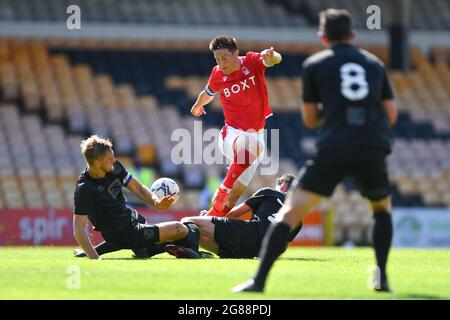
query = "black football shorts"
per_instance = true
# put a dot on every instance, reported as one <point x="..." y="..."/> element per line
<point x="137" y="235"/>
<point x="365" y="165"/>
<point x="237" y="239"/>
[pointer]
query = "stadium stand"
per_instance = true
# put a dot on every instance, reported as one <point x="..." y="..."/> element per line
<point x="135" y="97"/>
<point x="425" y="14"/>
<point x="194" y="12"/>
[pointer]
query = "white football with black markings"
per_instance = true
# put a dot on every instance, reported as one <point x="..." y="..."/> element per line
<point x="165" y="187"/>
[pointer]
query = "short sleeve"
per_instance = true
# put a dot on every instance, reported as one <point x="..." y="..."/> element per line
<point x="122" y="173"/>
<point x="255" y="200"/>
<point x="387" y="92"/>
<point x="82" y="200"/>
<point x="256" y="59"/>
<point x="310" y="92"/>
<point x="213" y="85"/>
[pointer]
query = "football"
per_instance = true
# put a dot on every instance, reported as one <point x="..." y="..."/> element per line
<point x="165" y="187"/>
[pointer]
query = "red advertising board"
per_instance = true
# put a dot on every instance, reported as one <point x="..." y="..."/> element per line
<point x="313" y="230"/>
<point x="54" y="227"/>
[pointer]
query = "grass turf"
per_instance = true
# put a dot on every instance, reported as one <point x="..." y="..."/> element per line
<point x="301" y="273"/>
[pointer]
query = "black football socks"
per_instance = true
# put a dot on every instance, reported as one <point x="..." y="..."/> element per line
<point x="150" y="251"/>
<point x="382" y="239"/>
<point x="101" y="248"/>
<point x="273" y="245"/>
<point x="104" y="248"/>
<point x="192" y="239"/>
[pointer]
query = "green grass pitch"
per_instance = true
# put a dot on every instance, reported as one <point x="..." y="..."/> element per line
<point x="301" y="273"/>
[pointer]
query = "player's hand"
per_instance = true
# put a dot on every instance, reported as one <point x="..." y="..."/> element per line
<point x="165" y="202"/>
<point x="270" y="57"/>
<point x="268" y="54"/>
<point x="95" y="256"/>
<point x="198" y="111"/>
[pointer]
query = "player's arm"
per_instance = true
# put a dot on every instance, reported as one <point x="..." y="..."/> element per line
<point x="80" y="233"/>
<point x="388" y="100"/>
<point x="238" y="211"/>
<point x="311" y="98"/>
<point x="391" y="111"/>
<point x="270" y="57"/>
<point x="144" y="193"/>
<point x="203" y="99"/>
<point x="311" y="115"/>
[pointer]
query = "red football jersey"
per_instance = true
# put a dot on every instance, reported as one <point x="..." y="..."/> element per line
<point x="243" y="93"/>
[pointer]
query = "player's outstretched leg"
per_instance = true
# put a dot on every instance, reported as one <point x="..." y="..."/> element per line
<point x="274" y="244"/>
<point x="298" y="204"/>
<point x="246" y="151"/>
<point x="174" y="237"/>
<point x="382" y="238"/>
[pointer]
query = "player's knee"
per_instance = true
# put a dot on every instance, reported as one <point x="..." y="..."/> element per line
<point x="384" y="205"/>
<point x="180" y="230"/>
<point x="198" y="221"/>
<point x="286" y="215"/>
<point x="291" y="204"/>
<point x="261" y="148"/>
<point x="297" y="206"/>
<point x="249" y="143"/>
<point x="242" y="142"/>
<point x="187" y="219"/>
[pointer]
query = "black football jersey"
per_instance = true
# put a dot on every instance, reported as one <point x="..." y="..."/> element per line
<point x="351" y="84"/>
<point x="265" y="203"/>
<point x="102" y="199"/>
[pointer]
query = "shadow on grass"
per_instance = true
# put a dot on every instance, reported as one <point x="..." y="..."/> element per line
<point x="218" y="259"/>
<point x="306" y="259"/>
<point x="419" y="296"/>
<point x="137" y="259"/>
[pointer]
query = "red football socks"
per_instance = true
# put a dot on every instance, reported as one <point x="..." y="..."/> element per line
<point x="242" y="160"/>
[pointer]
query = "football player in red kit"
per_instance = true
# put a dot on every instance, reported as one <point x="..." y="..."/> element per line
<point x="243" y="94"/>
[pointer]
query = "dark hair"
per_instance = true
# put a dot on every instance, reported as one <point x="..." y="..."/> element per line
<point x="223" y="42"/>
<point x="95" y="147"/>
<point x="336" y="24"/>
<point x="287" y="178"/>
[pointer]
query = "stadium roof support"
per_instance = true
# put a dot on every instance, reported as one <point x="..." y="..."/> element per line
<point x="399" y="38"/>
